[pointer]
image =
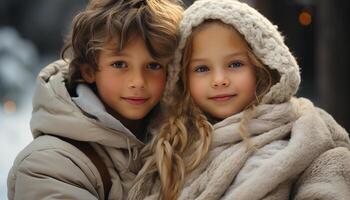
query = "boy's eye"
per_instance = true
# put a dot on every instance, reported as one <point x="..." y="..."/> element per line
<point x="201" y="68"/>
<point x="119" y="64"/>
<point x="235" y="64"/>
<point x="154" y="66"/>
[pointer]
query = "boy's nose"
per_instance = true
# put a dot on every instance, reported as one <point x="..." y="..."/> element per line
<point x="137" y="80"/>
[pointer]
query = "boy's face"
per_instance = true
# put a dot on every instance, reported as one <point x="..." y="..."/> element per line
<point x="221" y="76"/>
<point x="129" y="82"/>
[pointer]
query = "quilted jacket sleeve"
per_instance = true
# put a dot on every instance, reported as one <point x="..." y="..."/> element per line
<point x="52" y="174"/>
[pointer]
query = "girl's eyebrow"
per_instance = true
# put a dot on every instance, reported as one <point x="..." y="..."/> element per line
<point x="242" y="53"/>
<point x="199" y="59"/>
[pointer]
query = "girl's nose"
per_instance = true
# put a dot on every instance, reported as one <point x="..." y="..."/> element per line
<point x="220" y="80"/>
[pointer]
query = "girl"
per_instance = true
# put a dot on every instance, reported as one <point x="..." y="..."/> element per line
<point x="236" y="131"/>
<point x="106" y="96"/>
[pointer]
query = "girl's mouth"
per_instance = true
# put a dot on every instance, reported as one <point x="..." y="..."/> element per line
<point x="222" y="97"/>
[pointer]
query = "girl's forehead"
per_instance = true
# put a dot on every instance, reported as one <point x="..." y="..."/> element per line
<point x="217" y="26"/>
<point x="216" y="34"/>
<point x="213" y="23"/>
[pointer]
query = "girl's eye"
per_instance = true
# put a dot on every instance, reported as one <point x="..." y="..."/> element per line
<point x="154" y="66"/>
<point x="201" y="68"/>
<point x="119" y="64"/>
<point x="235" y="64"/>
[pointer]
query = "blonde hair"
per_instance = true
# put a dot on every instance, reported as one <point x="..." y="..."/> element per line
<point x="155" y="21"/>
<point x="187" y="129"/>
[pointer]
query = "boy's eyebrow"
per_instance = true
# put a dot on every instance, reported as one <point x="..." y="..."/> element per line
<point x="115" y="52"/>
<point x="118" y="53"/>
<point x="109" y="50"/>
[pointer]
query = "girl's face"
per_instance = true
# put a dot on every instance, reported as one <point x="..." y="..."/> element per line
<point x="129" y="82"/>
<point x="221" y="76"/>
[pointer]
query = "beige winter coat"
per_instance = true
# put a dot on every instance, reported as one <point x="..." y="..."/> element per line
<point x="49" y="168"/>
<point x="300" y="153"/>
<point x="292" y="139"/>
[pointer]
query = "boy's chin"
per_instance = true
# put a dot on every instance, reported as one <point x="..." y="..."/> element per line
<point x="128" y="114"/>
<point x="132" y="117"/>
<point x="135" y="118"/>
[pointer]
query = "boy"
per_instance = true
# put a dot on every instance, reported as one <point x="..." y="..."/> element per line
<point x="90" y="118"/>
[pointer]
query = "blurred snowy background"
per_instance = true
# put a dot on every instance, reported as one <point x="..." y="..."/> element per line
<point x="17" y="57"/>
<point x="32" y="32"/>
<point x="31" y="36"/>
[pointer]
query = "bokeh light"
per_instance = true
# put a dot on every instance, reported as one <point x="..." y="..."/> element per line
<point x="305" y="18"/>
<point x="10" y="106"/>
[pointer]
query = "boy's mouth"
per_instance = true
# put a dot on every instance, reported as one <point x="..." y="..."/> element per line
<point x="222" y="97"/>
<point x="135" y="100"/>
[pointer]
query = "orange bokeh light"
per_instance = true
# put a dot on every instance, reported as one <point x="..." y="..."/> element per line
<point x="9" y="106"/>
<point x="305" y="18"/>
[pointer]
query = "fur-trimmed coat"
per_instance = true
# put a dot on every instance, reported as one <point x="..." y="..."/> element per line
<point x="299" y="152"/>
<point x="296" y="157"/>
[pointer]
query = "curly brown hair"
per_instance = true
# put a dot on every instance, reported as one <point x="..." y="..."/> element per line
<point x="155" y="21"/>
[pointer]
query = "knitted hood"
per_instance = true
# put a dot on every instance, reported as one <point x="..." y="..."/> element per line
<point x="262" y="36"/>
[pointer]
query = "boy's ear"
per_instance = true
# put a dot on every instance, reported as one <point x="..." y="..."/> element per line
<point x="87" y="73"/>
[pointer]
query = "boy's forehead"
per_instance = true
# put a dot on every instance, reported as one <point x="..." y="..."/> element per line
<point x="112" y="48"/>
<point x="116" y="44"/>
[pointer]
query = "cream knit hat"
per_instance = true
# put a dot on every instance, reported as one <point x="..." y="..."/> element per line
<point x="263" y="37"/>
